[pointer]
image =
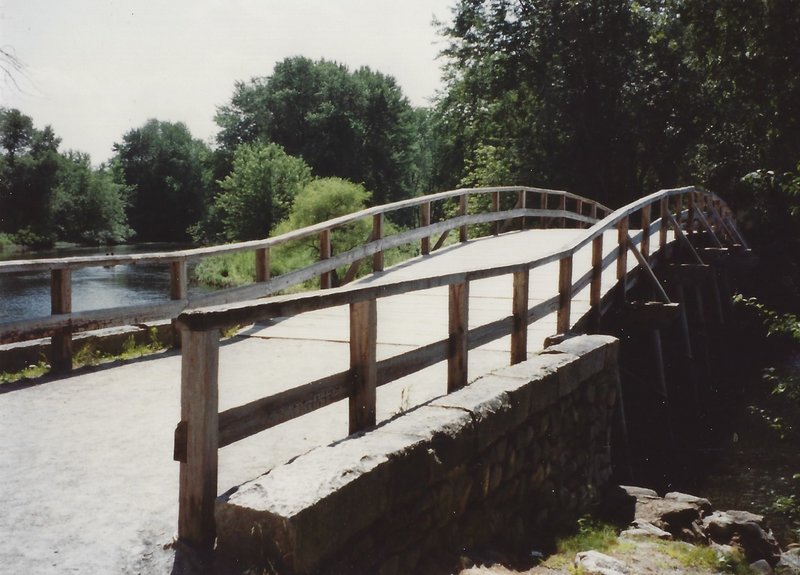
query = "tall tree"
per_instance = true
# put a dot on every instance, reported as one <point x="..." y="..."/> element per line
<point x="260" y="190"/>
<point x="165" y="168"/>
<point x="358" y="126"/>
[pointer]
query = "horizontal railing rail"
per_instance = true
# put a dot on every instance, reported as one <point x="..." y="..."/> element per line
<point x="62" y="323"/>
<point x="203" y="429"/>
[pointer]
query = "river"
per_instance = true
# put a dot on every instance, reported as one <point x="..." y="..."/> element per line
<point x="27" y="295"/>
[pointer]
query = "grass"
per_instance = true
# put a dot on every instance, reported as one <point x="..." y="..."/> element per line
<point x="702" y="557"/>
<point x="30" y="372"/>
<point x="591" y="535"/>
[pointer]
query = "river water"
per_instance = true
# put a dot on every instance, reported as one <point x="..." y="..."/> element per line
<point x="27" y="295"/>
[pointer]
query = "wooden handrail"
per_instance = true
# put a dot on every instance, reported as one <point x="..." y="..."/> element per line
<point x="366" y="373"/>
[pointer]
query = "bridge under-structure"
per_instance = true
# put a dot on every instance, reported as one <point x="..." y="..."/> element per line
<point x="88" y="486"/>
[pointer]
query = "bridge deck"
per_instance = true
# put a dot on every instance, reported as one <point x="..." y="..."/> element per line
<point x="88" y="482"/>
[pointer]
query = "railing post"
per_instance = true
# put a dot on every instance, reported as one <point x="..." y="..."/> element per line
<point x="579" y="210"/>
<point x="363" y="336"/>
<point x="377" y="234"/>
<point x="622" y="258"/>
<point x="200" y="414"/>
<point x="458" y="344"/>
<point x="594" y="210"/>
<point x="519" y="334"/>
<point x="543" y="206"/>
<point x="178" y="290"/>
<point x="462" y="211"/>
<point x="564" y="294"/>
<point x="662" y="231"/>
<point x="61" y="302"/>
<point x="690" y="216"/>
<point x="495" y="208"/>
<point x="262" y="264"/>
<point x="522" y="200"/>
<point x="562" y="205"/>
<point x="425" y="220"/>
<point x="645" y="249"/>
<point x="595" y="291"/>
<point x="324" y="254"/>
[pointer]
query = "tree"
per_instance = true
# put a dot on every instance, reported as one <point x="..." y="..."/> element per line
<point x="260" y="190"/>
<point x="88" y="205"/>
<point x="28" y="168"/>
<point x="356" y="126"/>
<point x="164" y="166"/>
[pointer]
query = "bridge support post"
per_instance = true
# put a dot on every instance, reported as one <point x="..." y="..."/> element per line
<point x="61" y="302"/>
<point x="262" y="264"/>
<point x="324" y="254"/>
<point x="363" y="338"/>
<point x="200" y="415"/>
<point x="424" y="221"/>
<point x="377" y="234"/>
<point x="564" y="294"/>
<point x="178" y="290"/>
<point x="519" y="335"/>
<point x="595" y="290"/>
<point x="462" y="211"/>
<point x="622" y="258"/>
<point x="458" y="344"/>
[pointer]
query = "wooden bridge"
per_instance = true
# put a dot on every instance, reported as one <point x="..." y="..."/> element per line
<point x="549" y="263"/>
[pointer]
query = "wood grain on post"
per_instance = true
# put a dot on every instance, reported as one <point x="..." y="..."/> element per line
<point x="564" y="294"/>
<point x="543" y="206"/>
<point x="462" y="211"/>
<point x="595" y="292"/>
<point x="519" y="335"/>
<point x="622" y="257"/>
<point x="562" y="205"/>
<point x="424" y="221"/>
<point x="495" y="208"/>
<point x="199" y="412"/>
<point x="178" y="280"/>
<point x="377" y="234"/>
<point x="324" y="254"/>
<point x="363" y="367"/>
<point x="521" y="202"/>
<point x="458" y="344"/>
<point x="262" y="264"/>
<point x="645" y="246"/>
<point x="61" y="302"/>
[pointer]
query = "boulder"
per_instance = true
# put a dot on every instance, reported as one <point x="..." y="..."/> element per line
<point x="789" y="563"/>
<point x="745" y="530"/>
<point x="596" y="563"/>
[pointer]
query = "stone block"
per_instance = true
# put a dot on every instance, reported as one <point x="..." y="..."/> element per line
<point x="491" y="410"/>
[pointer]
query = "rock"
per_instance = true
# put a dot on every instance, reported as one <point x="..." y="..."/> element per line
<point x="596" y="563"/>
<point x="702" y="504"/>
<point x="761" y="567"/>
<point x="639" y="492"/>
<point x="682" y="519"/>
<point x="650" y="529"/>
<point x="744" y="530"/>
<point x="789" y="563"/>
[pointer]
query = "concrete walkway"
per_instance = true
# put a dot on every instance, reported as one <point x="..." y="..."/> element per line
<point x="87" y="480"/>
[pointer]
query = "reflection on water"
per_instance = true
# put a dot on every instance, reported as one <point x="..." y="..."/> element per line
<point x="27" y="295"/>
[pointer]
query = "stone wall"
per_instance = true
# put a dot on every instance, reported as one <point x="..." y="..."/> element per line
<point x="516" y="453"/>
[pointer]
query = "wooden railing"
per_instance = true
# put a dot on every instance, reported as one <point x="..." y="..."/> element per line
<point x="544" y="205"/>
<point x="203" y="429"/>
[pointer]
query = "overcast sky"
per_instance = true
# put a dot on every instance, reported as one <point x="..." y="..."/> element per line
<point x="97" y="68"/>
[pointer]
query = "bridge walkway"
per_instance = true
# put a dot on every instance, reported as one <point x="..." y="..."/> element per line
<point x="88" y="480"/>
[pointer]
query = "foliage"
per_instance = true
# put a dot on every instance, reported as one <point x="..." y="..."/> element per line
<point x="32" y="371"/>
<point x="703" y="557"/>
<point x="611" y="99"/>
<point x="165" y="169"/>
<point x="227" y="270"/>
<point x="354" y="125"/>
<point x="88" y="205"/>
<point x="260" y="190"/>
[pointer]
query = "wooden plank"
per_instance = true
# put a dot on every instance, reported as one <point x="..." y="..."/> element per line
<point x="562" y="205"/>
<point x="564" y="294"/>
<point x="178" y="280"/>
<point x="519" y="310"/>
<point x="645" y="247"/>
<point x="622" y="257"/>
<point x="424" y="222"/>
<point x="495" y="208"/>
<point x="61" y="303"/>
<point x="543" y="206"/>
<point x="324" y="254"/>
<point x="263" y="272"/>
<point x="458" y="328"/>
<point x="648" y="271"/>
<point x="377" y="234"/>
<point x="595" y="292"/>
<point x="199" y="411"/>
<point x="462" y="211"/>
<point x="363" y="340"/>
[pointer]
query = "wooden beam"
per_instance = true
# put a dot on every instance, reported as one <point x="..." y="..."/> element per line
<point x="425" y="221"/>
<point x="462" y="211"/>
<point x="519" y="335"/>
<point x="324" y="254"/>
<point x="377" y="234"/>
<point x="622" y="257"/>
<point x="543" y="206"/>
<point x="363" y="338"/>
<point x="649" y="315"/>
<point x="495" y="208"/>
<point x="645" y="245"/>
<point x="564" y="294"/>
<point x="458" y="328"/>
<point x="61" y="303"/>
<point x="199" y="413"/>
<point x="595" y="291"/>
<point x="262" y="256"/>
<point x="648" y="270"/>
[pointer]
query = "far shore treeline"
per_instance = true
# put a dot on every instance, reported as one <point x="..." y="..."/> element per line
<point x="610" y="99"/>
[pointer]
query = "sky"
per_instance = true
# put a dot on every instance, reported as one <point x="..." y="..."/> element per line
<point x="96" y="69"/>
